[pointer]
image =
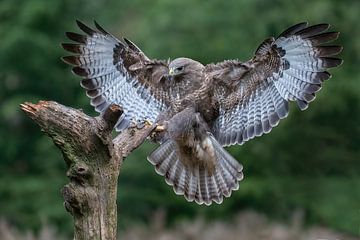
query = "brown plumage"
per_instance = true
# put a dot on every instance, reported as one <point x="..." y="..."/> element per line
<point x="203" y="108"/>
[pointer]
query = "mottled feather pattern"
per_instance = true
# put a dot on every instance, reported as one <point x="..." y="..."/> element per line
<point x="289" y="68"/>
<point x="107" y="77"/>
<point x="203" y="108"/>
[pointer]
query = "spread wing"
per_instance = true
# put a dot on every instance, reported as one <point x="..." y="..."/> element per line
<point x="118" y="72"/>
<point x="254" y="96"/>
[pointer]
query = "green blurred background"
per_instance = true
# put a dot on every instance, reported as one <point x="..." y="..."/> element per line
<point x="310" y="162"/>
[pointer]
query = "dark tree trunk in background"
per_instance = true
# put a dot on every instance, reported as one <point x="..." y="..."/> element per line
<point x="93" y="158"/>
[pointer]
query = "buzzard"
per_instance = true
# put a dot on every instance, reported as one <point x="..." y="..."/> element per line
<point x="203" y="108"/>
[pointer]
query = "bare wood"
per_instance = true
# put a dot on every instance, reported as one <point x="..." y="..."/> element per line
<point x="93" y="159"/>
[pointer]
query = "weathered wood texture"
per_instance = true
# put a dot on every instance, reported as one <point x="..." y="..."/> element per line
<point x="93" y="158"/>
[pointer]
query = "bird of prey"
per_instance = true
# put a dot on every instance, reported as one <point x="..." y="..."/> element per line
<point x="203" y="108"/>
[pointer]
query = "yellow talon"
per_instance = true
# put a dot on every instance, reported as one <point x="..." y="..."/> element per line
<point x="160" y="128"/>
<point x="148" y="122"/>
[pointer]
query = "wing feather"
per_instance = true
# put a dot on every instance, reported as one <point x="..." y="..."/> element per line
<point x="291" y="67"/>
<point x="109" y="76"/>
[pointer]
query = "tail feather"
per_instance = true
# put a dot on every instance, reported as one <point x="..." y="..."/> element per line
<point x="172" y="171"/>
<point x="200" y="192"/>
<point x="195" y="182"/>
<point x="223" y="187"/>
<point x="177" y="179"/>
<point x="217" y="190"/>
<point x="230" y="166"/>
<point x="164" y="157"/>
<point x="167" y="164"/>
<point x="181" y="183"/>
<point x="191" y="186"/>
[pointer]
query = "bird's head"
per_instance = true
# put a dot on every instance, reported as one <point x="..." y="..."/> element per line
<point x="183" y="66"/>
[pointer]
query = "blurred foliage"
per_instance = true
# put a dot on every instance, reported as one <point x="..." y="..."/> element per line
<point x="245" y="225"/>
<point x="310" y="162"/>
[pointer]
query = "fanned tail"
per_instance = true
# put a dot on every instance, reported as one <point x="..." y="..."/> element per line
<point x="195" y="182"/>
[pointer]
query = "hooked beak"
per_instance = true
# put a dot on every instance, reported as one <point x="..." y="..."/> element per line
<point x="171" y="71"/>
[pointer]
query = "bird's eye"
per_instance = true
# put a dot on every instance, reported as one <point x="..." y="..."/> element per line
<point x="179" y="69"/>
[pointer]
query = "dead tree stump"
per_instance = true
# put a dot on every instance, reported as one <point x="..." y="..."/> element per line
<point x="93" y="158"/>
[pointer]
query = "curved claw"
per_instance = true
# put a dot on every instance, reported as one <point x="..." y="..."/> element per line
<point x="160" y="128"/>
<point x="148" y="122"/>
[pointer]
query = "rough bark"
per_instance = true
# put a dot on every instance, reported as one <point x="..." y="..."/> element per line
<point x="93" y="158"/>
